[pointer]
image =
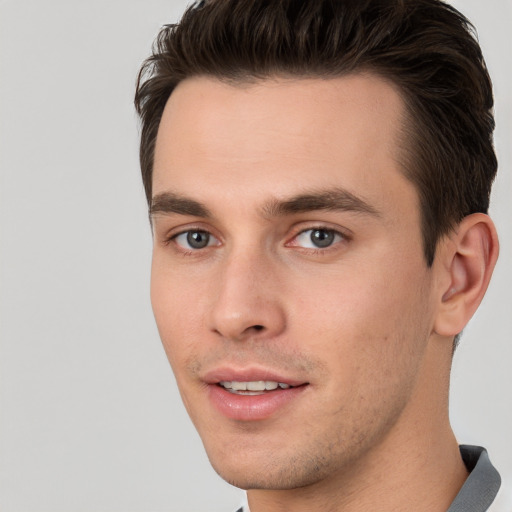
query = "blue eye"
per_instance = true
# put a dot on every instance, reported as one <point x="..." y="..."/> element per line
<point x="195" y="239"/>
<point x="318" y="238"/>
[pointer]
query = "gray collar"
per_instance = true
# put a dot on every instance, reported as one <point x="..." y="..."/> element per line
<point x="482" y="484"/>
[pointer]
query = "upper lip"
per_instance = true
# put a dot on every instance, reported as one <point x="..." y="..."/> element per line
<point x="230" y="374"/>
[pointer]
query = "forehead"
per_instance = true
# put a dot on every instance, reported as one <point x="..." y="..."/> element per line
<point x="276" y="136"/>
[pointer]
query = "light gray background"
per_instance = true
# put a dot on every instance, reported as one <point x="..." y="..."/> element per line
<point x="90" y="417"/>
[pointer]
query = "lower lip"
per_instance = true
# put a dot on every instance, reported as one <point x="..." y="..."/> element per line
<point x="251" y="407"/>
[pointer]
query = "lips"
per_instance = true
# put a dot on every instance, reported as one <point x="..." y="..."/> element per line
<point x="249" y="375"/>
<point x="256" y="395"/>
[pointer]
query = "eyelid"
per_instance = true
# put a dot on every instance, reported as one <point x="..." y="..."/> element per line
<point x="299" y="227"/>
<point x="211" y="241"/>
<point x="344" y="233"/>
<point x="169" y="235"/>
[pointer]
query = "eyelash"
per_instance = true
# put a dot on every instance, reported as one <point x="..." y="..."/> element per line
<point x="342" y="237"/>
<point x="171" y="239"/>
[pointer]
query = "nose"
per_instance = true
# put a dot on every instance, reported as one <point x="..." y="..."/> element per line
<point x="248" y="299"/>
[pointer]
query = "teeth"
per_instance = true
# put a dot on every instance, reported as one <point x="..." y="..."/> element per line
<point x="257" y="385"/>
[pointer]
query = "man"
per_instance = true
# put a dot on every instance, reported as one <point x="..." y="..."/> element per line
<point x="318" y="175"/>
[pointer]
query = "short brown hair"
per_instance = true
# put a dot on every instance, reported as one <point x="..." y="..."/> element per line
<point x="425" y="47"/>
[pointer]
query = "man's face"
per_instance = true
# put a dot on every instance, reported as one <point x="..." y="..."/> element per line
<point x="288" y="251"/>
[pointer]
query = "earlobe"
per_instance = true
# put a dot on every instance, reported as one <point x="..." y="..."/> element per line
<point x="470" y="258"/>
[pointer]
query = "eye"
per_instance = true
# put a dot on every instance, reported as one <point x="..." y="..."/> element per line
<point x="317" y="238"/>
<point x="195" y="239"/>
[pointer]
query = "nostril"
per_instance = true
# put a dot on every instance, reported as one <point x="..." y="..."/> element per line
<point x="258" y="327"/>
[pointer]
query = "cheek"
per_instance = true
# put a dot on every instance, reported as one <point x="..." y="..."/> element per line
<point x="177" y="307"/>
<point x="367" y="319"/>
<point x="370" y="340"/>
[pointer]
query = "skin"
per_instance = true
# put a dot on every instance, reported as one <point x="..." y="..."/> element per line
<point x="364" y="321"/>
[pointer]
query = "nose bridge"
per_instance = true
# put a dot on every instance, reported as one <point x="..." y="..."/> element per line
<point x="247" y="301"/>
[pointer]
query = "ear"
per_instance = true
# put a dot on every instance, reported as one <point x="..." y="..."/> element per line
<point x="468" y="259"/>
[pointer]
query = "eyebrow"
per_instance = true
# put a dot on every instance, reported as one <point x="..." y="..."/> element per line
<point x="169" y="203"/>
<point x="337" y="199"/>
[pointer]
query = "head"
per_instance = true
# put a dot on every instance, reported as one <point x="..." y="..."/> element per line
<point x="318" y="174"/>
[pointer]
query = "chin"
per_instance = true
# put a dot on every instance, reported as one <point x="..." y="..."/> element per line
<point x="248" y="480"/>
<point x="271" y="473"/>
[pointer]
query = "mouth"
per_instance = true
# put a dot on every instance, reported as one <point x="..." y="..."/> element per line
<point x="254" y="387"/>
<point x="247" y="395"/>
